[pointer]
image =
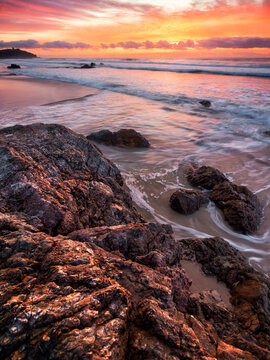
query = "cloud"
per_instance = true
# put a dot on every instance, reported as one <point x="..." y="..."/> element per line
<point x="161" y="44"/>
<point x="33" y="44"/>
<point x="212" y="43"/>
<point x="80" y="8"/>
<point x="235" y="43"/>
<point x="65" y="45"/>
<point x="25" y="44"/>
<point x="129" y="45"/>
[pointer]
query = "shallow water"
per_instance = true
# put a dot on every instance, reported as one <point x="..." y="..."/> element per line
<point x="164" y="106"/>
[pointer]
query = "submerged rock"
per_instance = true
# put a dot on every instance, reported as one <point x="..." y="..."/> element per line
<point x="114" y="287"/>
<point x="86" y="66"/>
<point x="205" y="103"/>
<point x="123" y="137"/>
<point x="187" y="201"/>
<point x="266" y="133"/>
<point x="13" y="66"/>
<point x="241" y="208"/>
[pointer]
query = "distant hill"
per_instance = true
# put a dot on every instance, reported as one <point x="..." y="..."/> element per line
<point x="16" y="54"/>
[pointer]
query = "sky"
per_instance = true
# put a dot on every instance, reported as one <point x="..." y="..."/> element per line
<point x="137" y="28"/>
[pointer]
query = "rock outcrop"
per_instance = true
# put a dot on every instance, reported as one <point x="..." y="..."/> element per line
<point x="16" y="54"/>
<point x="250" y="291"/>
<point x="241" y="208"/>
<point x="13" y="66"/>
<point x="99" y="282"/>
<point x="123" y="137"/>
<point x="86" y="66"/>
<point x="205" y="103"/>
<point x="60" y="180"/>
<point x="187" y="201"/>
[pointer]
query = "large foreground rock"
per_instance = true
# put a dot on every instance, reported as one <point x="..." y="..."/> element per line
<point x="113" y="288"/>
<point x="241" y="208"/>
<point x="60" y="181"/>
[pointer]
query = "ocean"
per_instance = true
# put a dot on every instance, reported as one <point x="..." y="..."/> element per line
<point x="160" y="99"/>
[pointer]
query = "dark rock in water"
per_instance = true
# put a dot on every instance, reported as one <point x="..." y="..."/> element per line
<point x="86" y="66"/>
<point x="123" y="137"/>
<point x="241" y="208"/>
<point x="266" y="133"/>
<point x="187" y="201"/>
<point x="114" y="287"/>
<point x="205" y="177"/>
<point x="13" y="66"/>
<point x="101" y="64"/>
<point x="205" y="103"/>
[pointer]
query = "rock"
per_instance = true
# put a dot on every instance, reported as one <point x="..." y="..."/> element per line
<point x="16" y="54"/>
<point x="51" y="174"/>
<point x="239" y="342"/>
<point x="241" y="208"/>
<point x="123" y="137"/>
<point x="250" y="290"/>
<point x="205" y="103"/>
<point x="205" y="177"/>
<point x="13" y="66"/>
<point x="228" y="352"/>
<point x="135" y="241"/>
<point x="208" y="305"/>
<point x="266" y="133"/>
<point x="113" y="288"/>
<point x="86" y="66"/>
<point x="187" y="201"/>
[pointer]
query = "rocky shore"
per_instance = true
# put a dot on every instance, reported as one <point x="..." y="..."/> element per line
<point x="84" y="276"/>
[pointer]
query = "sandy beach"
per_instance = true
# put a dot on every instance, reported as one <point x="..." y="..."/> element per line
<point x="20" y="91"/>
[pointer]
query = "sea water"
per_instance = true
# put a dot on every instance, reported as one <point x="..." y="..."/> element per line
<point x="161" y="100"/>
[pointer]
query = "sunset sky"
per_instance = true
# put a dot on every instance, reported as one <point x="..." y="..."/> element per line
<point x="146" y="28"/>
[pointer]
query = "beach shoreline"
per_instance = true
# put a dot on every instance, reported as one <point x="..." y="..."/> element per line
<point x="21" y="91"/>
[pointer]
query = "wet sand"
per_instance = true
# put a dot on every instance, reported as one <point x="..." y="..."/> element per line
<point x="20" y="91"/>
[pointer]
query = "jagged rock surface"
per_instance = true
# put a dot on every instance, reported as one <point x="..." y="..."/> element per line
<point x="61" y="180"/>
<point x="109" y="291"/>
<point x="250" y="290"/>
<point x="187" y="201"/>
<point x="241" y="208"/>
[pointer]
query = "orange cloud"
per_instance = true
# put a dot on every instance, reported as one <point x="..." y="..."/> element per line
<point x="113" y="22"/>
